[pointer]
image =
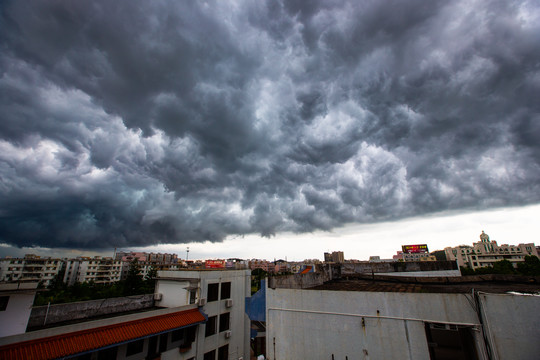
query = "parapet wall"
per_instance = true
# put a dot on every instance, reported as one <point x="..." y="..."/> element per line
<point x="322" y="274"/>
<point x="87" y="309"/>
<point x="390" y="267"/>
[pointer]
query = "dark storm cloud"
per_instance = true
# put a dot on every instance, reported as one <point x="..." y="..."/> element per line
<point x="130" y="124"/>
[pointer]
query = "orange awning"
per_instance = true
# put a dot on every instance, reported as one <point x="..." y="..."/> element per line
<point x="72" y="343"/>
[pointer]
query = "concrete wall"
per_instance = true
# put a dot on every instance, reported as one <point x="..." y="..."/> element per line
<point x="322" y="274"/>
<point x="387" y="267"/>
<point x="436" y="273"/>
<point x="84" y="309"/>
<point x="309" y="324"/>
<point x="176" y="291"/>
<point x="316" y="324"/>
<point x="14" y="319"/>
<point x="513" y="325"/>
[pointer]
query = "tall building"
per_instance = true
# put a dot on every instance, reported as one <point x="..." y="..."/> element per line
<point x="486" y="253"/>
<point x="221" y="295"/>
<point x="335" y="256"/>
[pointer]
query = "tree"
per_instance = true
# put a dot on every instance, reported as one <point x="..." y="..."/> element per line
<point x="530" y="267"/>
<point x="503" y="267"/>
<point x="134" y="280"/>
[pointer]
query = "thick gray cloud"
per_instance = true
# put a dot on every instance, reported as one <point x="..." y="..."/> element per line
<point x="136" y="123"/>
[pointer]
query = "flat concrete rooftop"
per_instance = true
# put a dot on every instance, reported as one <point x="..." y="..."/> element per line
<point x="464" y="284"/>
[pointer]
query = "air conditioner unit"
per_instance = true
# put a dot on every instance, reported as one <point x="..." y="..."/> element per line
<point x="158" y="296"/>
<point x="227" y="334"/>
<point x="202" y="302"/>
<point x="228" y="303"/>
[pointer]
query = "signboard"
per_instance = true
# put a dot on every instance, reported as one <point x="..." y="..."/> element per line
<point x="214" y="264"/>
<point x="414" y="249"/>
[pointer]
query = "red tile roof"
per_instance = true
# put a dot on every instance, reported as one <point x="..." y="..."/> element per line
<point x="58" y="346"/>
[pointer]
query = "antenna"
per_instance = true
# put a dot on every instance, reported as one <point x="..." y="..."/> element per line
<point x="187" y="253"/>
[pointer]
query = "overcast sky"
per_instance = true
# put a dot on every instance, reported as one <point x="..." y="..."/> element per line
<point x="138" y="123"/>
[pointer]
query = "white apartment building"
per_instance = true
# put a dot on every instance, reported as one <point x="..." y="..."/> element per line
<point x="100" y="270"/>
<point x="486" y="253"/>
<point x="31" y="268"/>
<point x="221" y="295"/>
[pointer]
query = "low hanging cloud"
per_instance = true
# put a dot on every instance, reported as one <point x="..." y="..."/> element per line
<point x="136" y="123"/>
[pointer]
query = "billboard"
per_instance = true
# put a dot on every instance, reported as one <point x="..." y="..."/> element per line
<point x="414" y="249"/>
<point x="214" y="264"/>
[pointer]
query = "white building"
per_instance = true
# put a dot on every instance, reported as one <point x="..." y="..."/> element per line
<point x="100" y="270"/>
<point x="30" y="269"/>
<point x="16" y="301"/>
<point x="387" y="320"/>
<point x="486" y="253"/>
<point x="222" y="294"/>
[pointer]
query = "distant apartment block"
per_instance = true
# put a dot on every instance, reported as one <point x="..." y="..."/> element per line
<point x="486" y="253"/>
<point x="100" y="270"/>
<point x="335" y="256"/>
<point x="31" y="268"/>
<point x="417" y="252"/>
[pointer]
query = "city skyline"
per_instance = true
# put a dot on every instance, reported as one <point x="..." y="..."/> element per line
<point x="506" y="226"/>
<point x="269" y="127"/>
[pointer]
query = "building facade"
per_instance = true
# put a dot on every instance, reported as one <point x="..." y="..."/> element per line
<point x="30" y="269"/>
<point x="486" y="253"/>
<point x="100" y="270"/>
<point x="221" y="295"/>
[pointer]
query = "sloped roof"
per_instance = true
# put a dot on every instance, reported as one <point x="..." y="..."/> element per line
<point x="72" y="343"/>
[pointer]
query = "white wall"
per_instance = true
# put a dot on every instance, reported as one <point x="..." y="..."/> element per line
<point x="348" y="324"/>
<point x="15" y="318"/>
<point x="174" y="293"/>
<point x="513" y="322"/>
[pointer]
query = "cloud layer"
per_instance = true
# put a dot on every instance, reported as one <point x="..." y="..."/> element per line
<point x="135" y="123"/>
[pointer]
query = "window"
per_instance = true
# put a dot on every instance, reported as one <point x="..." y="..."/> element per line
<point x="225" y="290"/>
<point x="211" y="355"/>
<point x="450" y="342"/>
<point x="163" y="342"/>
<point x="223" y="352"/>
<point x="210" y="326"/>
<point x="3" y="302"/>
<point x="177" y="335"/>
<point x="107" y="354"/>
<point x="213" y="292"/>
<point x="224" y="322"/>
<point x="135" y="347"/>
<point x="192" y="296"/>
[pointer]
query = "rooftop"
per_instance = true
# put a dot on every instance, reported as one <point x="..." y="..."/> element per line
<point x="463" y="284"/>
<point x="67" y="343"/>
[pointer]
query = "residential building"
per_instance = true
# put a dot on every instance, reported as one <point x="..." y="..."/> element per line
<point x="31" y="268"/>
<point x="335" y="256"/>
<point x="267" y="266"/>
<point x="486" y="253"/>
<point x="100" y="270"/>
<point x="221" y="294"/>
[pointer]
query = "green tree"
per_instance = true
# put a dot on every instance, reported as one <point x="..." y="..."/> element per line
<point x="503" y="267"/>
<point x="530" y="267"/>
<point x="134" y="280"/>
